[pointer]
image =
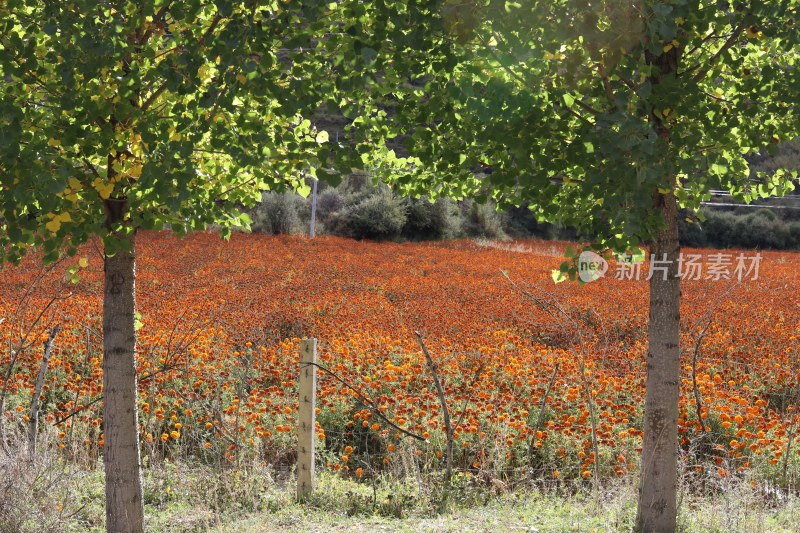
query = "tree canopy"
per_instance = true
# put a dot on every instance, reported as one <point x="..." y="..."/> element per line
<point x="124" y="115"/>
<point x="606" y="116"/>
<point x="562" y="104"/>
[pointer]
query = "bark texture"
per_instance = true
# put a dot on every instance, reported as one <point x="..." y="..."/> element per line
<point x="657" y="510"/>
<point x="124" y="507"/>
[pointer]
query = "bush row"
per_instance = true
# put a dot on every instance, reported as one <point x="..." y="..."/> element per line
<point x="761" y="228"/>
<point x="359" y="209"/>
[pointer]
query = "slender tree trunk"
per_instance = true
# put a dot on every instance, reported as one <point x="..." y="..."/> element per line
<point x="657" y="511"/>
<point x="33" y="423"/>
<point x="124" y="507"/>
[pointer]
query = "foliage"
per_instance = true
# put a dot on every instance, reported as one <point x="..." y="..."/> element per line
<point x="137" y="115"/>
<point x="377" y="216"/>
<point x="787" y="155"/>
<point x="482" y="220"/>
<point x="569" y="110"/>
<point x="759" y="229"/>
<point x="428" y="220"/>
<point x="276" y="214"/>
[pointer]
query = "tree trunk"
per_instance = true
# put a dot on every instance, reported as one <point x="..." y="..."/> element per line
<point x="124" y="507"/>
<point x="33" y="423"/>
<point x="657" y="511"/>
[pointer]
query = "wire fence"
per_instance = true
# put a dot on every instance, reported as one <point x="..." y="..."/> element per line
<point x="729" y="443"/>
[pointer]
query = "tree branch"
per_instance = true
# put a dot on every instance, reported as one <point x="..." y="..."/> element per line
<point x="448" y="427"/>
<point x="152" y="98"/>
<point x="724" y="48"/>
<point x="697" y="401"/>
<point x="33" y="422"/>
<point x="157" y="18"/>
<point x="210" y="29"/>
<point x="601" y="70"/>
<point x="542" y="404"/>
<point x="370" y="404"/>
<point x="583" y="105"/>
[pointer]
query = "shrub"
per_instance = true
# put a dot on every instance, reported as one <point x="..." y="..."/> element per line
<point x="758" y="231"/>
<point x="277" y="213"/>
<point x="793" y="237"/>
<point x="691" y="233"/>
<point x="521" y="222"/>
<point x="356" y="187"/>
<point x="329" y="203"/>
<point x="381" y="215"/>
<point x="719" y="229"/>
<point x="482" y="220"/>
<point x="765" y="214"/>
<point x="427" y="220"/>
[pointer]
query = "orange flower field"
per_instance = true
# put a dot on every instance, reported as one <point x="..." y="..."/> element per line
<point x="219" y="341"/>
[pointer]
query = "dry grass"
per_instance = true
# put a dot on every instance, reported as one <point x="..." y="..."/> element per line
<point x="49" y="495"/>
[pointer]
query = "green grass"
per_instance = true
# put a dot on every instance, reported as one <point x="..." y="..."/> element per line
<point x="194" y="498"/>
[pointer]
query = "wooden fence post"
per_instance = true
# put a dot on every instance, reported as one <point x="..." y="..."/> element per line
<point x="306" y="431"/>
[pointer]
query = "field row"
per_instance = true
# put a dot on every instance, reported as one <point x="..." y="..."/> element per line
<point x="219" y="347"/>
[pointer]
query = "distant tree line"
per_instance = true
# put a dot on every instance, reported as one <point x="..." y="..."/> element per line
<point x="360" y="209"/>
<point x="774" y="224"/>
<point x="737" y="227"/>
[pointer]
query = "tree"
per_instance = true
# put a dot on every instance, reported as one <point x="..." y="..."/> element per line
<point x="119" y="116"/>
<point x="606" y="117"/>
